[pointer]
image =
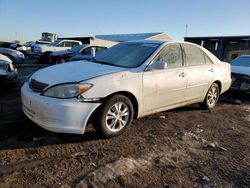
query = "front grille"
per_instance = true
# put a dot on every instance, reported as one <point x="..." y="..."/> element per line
<point x="37" y="86"/>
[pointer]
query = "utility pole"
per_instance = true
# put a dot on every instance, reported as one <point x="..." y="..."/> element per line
<point x="186" y="30"/>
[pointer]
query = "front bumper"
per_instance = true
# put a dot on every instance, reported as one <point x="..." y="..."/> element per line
<point x="57" y="115"/>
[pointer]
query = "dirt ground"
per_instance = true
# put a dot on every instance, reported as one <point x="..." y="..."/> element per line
<point x="185" y="147"/>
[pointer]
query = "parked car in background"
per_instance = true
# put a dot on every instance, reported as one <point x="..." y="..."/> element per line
<point x="48" y="38"/>
<point x="126" y="81"/>
<point x="19" y="47"/>
<point x="15" y="56"/>
<point x="5" y="44"/>
<point x="87" y="54"/>
<point x="8" y="73"/>
<point x="44" y="51"/>
<point x="241" y="73"/>
<point x="80" y="52"/>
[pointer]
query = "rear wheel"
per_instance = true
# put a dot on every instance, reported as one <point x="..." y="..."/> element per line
<point x="212" y="97"/>
<point x="114" y="116"/>
<point x="45" y="58"/>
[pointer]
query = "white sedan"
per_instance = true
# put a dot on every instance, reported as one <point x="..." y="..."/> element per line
<point x="127" y="81"/>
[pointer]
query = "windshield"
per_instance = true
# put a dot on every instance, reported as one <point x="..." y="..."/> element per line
<point x="241" y="61"/>
<point x="76" y="48"/>
<point x="127" y="54"/>
<point x="48" y="36"/>
<point x="55" y="43"/>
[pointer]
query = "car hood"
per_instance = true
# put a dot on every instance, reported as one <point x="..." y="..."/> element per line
<point x="241" y="70"/>
<point x="73" y="72"/>
<point x="9" y="51"/>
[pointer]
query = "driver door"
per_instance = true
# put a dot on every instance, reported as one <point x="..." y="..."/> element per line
<point x="165" y="87"/>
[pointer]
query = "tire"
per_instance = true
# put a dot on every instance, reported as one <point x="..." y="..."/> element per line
<point x="212" y="97"/>
<point x="45" y="58"/>
<point x="108" y="122"/>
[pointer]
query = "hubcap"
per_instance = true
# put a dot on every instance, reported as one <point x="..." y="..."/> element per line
<point x="212" y="96"/>
<point x="117" y="117"/>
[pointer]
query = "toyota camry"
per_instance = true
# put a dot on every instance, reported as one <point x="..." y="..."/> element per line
<point x="127" y="81"/>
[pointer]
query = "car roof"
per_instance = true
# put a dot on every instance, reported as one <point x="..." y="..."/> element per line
<point x="69" y="40"/>
<point x="162" y="42"/>
<point x="147" y="41"/>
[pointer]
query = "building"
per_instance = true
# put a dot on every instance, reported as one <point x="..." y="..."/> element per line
<point x="110" y="40"/>
<point x="135" y="36"/>
<point x="224" y="47"/>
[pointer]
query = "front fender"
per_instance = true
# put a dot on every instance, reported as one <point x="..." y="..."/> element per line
<point x="126" y="81"/>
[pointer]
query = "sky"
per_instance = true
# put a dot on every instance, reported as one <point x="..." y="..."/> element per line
<point x="25" y="20"/>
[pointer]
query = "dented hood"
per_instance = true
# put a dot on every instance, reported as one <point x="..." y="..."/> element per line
<point x="73" y="72"/>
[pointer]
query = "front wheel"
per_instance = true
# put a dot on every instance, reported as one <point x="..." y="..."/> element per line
<point x="212" y="97"/>
<point x="114" y="116"/>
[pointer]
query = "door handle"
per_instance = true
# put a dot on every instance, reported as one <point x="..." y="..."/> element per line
<point x="182" y="74"/>
<point x="211" y="70"/>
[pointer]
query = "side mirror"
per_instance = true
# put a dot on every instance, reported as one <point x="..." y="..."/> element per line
<point x="158" y="65"/>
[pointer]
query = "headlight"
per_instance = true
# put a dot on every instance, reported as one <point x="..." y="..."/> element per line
<point x="67" y="90"/>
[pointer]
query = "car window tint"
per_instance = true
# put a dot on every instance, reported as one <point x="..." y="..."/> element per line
<point x="171" y="54"/>
<point x="87" y="51"/>
<point x="62" y="44"/>
<point x="68" y="44"/>
<point x="194" y="55"/>
<point x="101" y="48"/>
<point x="74" y="44"/>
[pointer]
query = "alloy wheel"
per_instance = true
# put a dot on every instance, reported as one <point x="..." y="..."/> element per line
<point x="212" y="96"/>
<point x="117" y="116"/>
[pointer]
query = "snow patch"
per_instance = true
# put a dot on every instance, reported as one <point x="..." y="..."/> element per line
<point x="126" y="165"/>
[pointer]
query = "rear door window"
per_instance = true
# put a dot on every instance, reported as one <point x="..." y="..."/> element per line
<point x="194" y="56"/>
<point x="87" y="50"/>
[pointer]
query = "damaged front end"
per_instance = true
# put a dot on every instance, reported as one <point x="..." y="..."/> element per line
<point x="240" y="82"/>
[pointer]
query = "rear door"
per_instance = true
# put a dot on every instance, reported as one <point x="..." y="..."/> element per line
<point x="199" y="72"/>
